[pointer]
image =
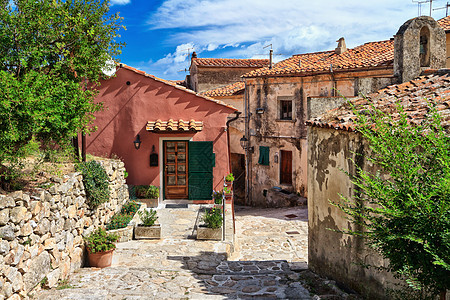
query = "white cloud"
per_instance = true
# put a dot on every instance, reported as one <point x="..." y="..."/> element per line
<point x="120" y="2"/>
<point x="240" y="28"/>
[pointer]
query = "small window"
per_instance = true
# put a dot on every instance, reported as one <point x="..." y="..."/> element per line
<point x="286" y="110"/>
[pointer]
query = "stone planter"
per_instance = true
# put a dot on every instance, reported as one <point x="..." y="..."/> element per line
<point x="149" y="202"/>
<point x="100" y="259"/>
<point x="147" y="232"/>
<point x="125" y="234"/>
<point x="205" y="233"/>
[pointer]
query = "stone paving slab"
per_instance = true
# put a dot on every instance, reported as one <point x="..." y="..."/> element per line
<point x="268" y="263"/>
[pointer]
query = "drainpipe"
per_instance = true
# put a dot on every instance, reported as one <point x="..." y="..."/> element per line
<point x="247" y="136"/>
<point x="237" y="113"/>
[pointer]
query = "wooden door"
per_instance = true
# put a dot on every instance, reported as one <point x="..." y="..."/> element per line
<point x="286" y="167"/>
<point x="176" y="169"/>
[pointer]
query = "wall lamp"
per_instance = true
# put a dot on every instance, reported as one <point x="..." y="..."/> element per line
<point x="244" y="144"/>
<point x="137" y="142"/>
<point x="260" y="110"/>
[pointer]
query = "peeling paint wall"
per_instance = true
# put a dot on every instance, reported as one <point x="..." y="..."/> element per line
<point x="332" y="254"/>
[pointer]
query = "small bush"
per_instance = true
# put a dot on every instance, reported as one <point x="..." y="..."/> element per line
<point x="119" y="221"/>
<point x="147" y="191"/>
<point x="229" y="177"/>
<point x="148" y="217"/>
<point x="100" y="241"/>
<point x="95" y="182"/>
<point x="131" y="207"/>
<point x="217" y="196"/>
<point x="213" y="217"/>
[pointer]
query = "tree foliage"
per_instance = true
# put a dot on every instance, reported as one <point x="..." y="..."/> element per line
<point x="404" y="208"/>
<point x="51" y="56"/>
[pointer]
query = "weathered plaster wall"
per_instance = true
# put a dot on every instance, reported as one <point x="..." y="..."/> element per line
<point x="41" y="234"/>
<point x="320" y="105"/>
<point x="268" y="130"/>
<point x="332" y="254"/>
<point x="447" y="38"/>
<point x="128" y="108"/>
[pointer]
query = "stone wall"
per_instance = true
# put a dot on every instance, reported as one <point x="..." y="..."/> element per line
<point x="41" y="235"/>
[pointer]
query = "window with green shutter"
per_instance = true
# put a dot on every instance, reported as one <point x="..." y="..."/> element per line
<point x="263" y="155"/>
<point x="201" y="161"/>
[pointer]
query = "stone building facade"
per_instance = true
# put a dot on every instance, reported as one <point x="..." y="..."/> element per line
<point x="280" y="99"/>
<point x="211" y="73"/>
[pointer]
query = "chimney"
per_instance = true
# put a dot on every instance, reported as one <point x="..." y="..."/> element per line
<point x="194" y="55"/>
<point x="270" y="58"/>
<point x="341" y="47"/>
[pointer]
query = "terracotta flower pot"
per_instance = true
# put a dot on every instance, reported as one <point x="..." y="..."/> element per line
<point x="100" y="259"/>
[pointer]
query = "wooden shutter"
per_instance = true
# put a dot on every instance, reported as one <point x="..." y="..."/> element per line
<point x="201" y="161"/>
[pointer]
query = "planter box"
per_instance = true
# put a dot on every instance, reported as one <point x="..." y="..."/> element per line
<point x="205" y="233"/>
<point x="149" y="202"/>
<point x="145" y="232"/>
<point x="125" y="234"/>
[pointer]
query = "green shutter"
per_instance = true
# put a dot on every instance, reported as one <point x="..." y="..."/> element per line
<point x="263" y="155"/>
<point x="200" y="170"/>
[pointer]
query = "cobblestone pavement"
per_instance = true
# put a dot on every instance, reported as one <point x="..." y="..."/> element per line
<point x="269" y="263"/>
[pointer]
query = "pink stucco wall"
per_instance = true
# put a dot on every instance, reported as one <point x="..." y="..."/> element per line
<point x="127" y="108"/>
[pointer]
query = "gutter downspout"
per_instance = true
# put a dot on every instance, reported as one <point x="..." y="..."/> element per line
<point x="247" y="136"/>
<point x="237" y="113"/>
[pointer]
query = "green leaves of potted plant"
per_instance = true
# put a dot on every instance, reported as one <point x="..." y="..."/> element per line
<point x="212" y="228"/>
<point x="100" y="246"/>
<point x="148" y="194"/>
<point x="217" y="197"/>
<point x="147" y="229"/>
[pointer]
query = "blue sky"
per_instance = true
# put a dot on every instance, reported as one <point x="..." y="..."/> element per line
<point x="161" y="33"/>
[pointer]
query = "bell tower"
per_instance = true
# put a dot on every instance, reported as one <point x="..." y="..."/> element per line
<point x="419" y="44"/>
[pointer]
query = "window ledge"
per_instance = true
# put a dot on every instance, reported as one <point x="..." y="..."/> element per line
<point x="288" y="121"/>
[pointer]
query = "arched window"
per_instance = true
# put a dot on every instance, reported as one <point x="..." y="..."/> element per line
<point x="424" y="47"/>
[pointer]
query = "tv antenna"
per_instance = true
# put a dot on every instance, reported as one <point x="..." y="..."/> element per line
<point x="188" y="50"/>
<point x="419" y="5"/>
<point x="446" y="9"/>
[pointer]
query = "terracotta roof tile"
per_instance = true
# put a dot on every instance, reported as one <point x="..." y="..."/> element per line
<point x="369" y="55"/>
<point x="230" y="62"/>
<point x="174" y="126"/>
<point x="228" y="90"/>
<point x="412" y="95"/>
<point x="444" y="23"/>
<point x="168" y="82"/>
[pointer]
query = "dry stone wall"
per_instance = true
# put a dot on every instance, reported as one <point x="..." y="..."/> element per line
<point x="41" y="235"/>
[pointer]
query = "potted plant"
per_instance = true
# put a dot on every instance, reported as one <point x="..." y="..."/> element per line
<point x="212" y="227"/>
<point x="147" y="229"/>
<point x="100" y="247"/>
<point x="120" y="223"/>
<point x="147" y="194"/>
<point x="217" y="197"/>
<point x="229" y="179"/>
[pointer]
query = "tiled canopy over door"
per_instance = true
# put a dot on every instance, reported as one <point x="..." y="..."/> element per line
<point x="201" y="161"/>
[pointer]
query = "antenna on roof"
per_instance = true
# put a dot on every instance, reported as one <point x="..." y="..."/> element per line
<point x="446" y="9"/>
<point x="270" y="55"/>
<point x="188" y="50"/>
<point x="419" y="5"/>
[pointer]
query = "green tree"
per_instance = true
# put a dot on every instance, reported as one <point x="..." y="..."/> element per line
<point x="51" y="56"/>
<point x="404" y="208"/>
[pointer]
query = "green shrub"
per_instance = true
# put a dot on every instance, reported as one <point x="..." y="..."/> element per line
<point x="213" y="217"/>
<point x="229" y="177"/>
<point x="148" y="217"/>
<point x="119" y="221"/>
<point x="95" y="182"/>
<point x="131" y="207"/>
<point x="147" y="191"/>
<point x="100" y="241"/>
<point x="217" y="196"/>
